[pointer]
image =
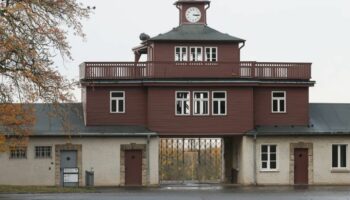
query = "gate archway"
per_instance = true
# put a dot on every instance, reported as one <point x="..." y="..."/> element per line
<point x="198" y="160"/>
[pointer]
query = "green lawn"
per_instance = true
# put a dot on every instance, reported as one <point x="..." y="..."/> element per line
<point x="43" y="189"/>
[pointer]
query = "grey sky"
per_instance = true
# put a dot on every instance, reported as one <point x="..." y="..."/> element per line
<point x="314" y="31"/>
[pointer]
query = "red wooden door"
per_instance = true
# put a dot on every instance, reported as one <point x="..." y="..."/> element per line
<point x="133" y="167"/>
<point x="301" y="166"/>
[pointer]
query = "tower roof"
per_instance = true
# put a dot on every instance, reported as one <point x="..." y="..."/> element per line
<point x="192" y="1"/>
<point x="195" y="32"/>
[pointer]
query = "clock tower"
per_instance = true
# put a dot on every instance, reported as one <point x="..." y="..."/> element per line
<point x="193" y="11"/>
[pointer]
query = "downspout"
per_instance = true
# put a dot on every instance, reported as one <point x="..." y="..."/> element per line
<point x="148" y="161"/>
<point x="206" y="23"/>
<point x="255" y="163"/>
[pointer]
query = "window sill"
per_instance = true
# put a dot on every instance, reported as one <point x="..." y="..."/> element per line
<point x="278" y="112"/>
<point x="340" y="171"/>
<point x="269" y="171"/>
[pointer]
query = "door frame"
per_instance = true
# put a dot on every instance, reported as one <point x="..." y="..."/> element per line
<point x="301" y="145"/>
<point x="145" y="171"/>
<point x="67" y="147"/>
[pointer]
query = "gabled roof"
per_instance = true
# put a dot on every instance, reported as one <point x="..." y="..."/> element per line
<point x="195" y="32"/>
<point x="49" y="124"/>
<point x="325" y="119"/>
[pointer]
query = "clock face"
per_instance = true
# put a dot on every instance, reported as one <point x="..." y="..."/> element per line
<point x="193" y="14"/>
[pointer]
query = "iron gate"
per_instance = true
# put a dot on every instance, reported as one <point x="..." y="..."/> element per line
<point x="191" y="160"/>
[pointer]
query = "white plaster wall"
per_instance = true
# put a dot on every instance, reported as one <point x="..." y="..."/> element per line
<point x="322" y="159"/>
<point x="246" y="169"/>
<point x="100" y="154"/>
<point x="154" y="161"/>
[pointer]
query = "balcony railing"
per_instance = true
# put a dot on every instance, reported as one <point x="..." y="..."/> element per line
<point x="141" y="70"/>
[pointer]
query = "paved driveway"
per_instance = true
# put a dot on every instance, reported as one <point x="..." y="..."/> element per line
<point x="198" y="193"/>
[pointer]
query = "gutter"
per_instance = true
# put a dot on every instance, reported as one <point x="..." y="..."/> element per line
<point x="243" y="45"/>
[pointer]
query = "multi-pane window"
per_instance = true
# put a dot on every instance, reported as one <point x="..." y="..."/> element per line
<point x="180" y="54"/>
<point x="268" y="157"/>
<point x="279" y="102"/>
<point x="18" y="153"/>
<point x="201" y="103"/>
<point x="117" y="101"/>
<point x="339" y="155"/>
<point x="196" y="54"/>
<point x="219" y="103"/>
<point x="211" y="54"/>
<point x="43" y="152"/>
<point x="182" y="103"/>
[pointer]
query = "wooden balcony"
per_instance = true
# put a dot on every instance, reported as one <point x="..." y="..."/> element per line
<point x="144" y="70"/>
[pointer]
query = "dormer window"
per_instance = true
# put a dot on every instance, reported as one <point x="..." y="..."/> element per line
<point x="211" y="54"/>
<point x="180" y="54"/>
<point x="196" y="54"/>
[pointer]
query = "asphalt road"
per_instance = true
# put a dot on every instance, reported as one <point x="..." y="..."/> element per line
<point x="195" y="193"/>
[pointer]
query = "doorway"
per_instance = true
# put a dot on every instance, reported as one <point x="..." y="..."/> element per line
<point x="133" y="167"/>
<point x="301" y="166"/>
<point x="68" y="167"/>
<point x="191" y="160"/>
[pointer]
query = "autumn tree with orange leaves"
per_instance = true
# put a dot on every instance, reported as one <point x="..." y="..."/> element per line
<point x="31" y="32"/>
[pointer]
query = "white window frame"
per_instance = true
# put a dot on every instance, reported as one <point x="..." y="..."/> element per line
<point x="339" y="157"/>
<point x="183" y="100"/>
<point x="202" y="100"/>
<point x="268" y="167"/>
<point x="42" y="149"/>
<point x="117" y="100"/>
<point x="196" y="54"/>
<point x="220" y="100"/>
<point x="18" y="155"/>
<point x="279" y="99"/>
<point x="181" y="59"/>
<point x="211" y="54"/>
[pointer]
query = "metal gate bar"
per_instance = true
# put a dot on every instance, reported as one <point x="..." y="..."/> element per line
<point x="191" y="160"/>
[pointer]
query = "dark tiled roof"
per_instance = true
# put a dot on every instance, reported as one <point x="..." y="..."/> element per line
<point x="325" y="119"/>
<point x="49" y="124"/>
<point x="195" y="32"/>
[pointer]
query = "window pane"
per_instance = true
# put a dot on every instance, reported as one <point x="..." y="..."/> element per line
<point x="343" y="155"/>
<point x="216" y="107"/>
<point x="272" y="148"/>
<point x="205" y="107"/>
<point x="187" y="107"/>
<point x="264" y="165"/>
<point x="278" y="94"/>
<point x="273" y="157"/>
<point x="219" y="95"/>
<point x="114" y="105"/>
<point x="275" y="106"/>
<point x="282" y="106"/>
<point x="117" y="94"/>
<point x="177" y="49"/>
<point x="273" y="165"/>
<point x="264" y="157"/>
<point x="121" y="105"/>
<point x="264" y="148"/>
<point x="178" y="107"/>
<point x="335" y="156"/>
<point x="182" y="95"/>
<point x="222" y="107"/>
<point x="197" y="107"/>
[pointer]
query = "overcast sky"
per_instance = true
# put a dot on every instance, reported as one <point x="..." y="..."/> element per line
<point x="316" y="31"/>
